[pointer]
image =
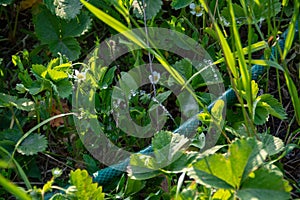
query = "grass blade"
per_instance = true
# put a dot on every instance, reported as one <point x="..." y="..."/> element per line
<point x="291" y="33"/>
<point x="115" y="24"/>
<point x="294" y="95"/>
<point x="287" y="46"/>
<point x="229" y="58"/>
<point x="247" y="50"/>
<point x="266" y="63"/>
<point x="19" y="168"/>
<point x="13" y="189"/>
<point x="245" y="74"/>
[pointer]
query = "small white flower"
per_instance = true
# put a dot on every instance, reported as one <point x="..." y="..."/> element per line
<point x="154" y="78"/>
<point x="196" y="9"/>
<point x="225" y="22"/>
<point x="56" y="172"/>
<point x="80" y="76"/>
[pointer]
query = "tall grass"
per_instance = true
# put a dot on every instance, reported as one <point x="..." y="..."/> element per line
<point x="238" y="83"/>
<point x="287" y="46"/>
<point x="242" y="65"/>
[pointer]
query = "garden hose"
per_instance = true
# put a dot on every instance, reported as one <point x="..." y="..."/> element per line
<point x="110" y="175"/>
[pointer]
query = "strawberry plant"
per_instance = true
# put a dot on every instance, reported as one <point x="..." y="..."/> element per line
<point x="59" y="32"/>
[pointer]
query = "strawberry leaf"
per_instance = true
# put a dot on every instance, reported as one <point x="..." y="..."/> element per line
<point x="33" y="144"/>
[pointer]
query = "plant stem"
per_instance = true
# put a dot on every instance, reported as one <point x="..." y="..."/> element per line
<point x="16" y="119"/>
<point x="16" y="23"/>
<point x="278" y="86"/>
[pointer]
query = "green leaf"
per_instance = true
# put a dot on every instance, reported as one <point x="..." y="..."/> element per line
<point x="162" y="97"/>
<point x="198" y="140"/>
<point x="108" y="77"/>
<point x="275" y="108"/>
<point x="67" y="9"/>
<point x="37" y="87"/>
<point x="294" y="95"/>
<point x="22" y="103"/>
<point x="64" y="88"/>
<point x="228" y="171"/>
<point x="261" y="11"/>
<point x="59" y="196"/>
<point x="7" y="100"/>
<point x="21" y="88"/>
<point x="182" y="162"/>
<point x="85" y="188"/>
<point x="66" y="46"/>
<point x="254" y="89"/>
<point x="261" y="115"/>
<point x="152" y="7"/>
<point x="189" y="157"/>
<point x="222" y="194"/>
<point x="11" y="135"/>
<point x="168" y="146"/>
<point x="76" y="27"/>
<point x="16" y="164"/>
<point x="127" y="83"/>
<point x="266" y="63"/>
<point x="184" y="67"/>
<point x="245" y="80"/>
<point x="265" y="105"/>
<point x="213" y="171"/>
<point x="265" y="9"/>
<point x="177" y="4"/>
<point x="46" y="26"/>
<point x="133" y="186"/>
<point x="63" y="67"/>
<point x="38" y="70"/>
<point x="53" y="63"/>
<point x="238" y="13"/>
<point x="25" y="78"/>
<point x="217" y="112"/>
<point x="25" y="104"/>
<point x="91" y="164"/>
<point x="271" y="144"/>
<point x="59" y="33"/>
<point x="142" y="167"/>
<point x="33" y="144"/>
<point x="57" y="75"/>
<point x="141" y="163"/>
<point x="16" y="60"/>
<point x="264" y="184"/>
